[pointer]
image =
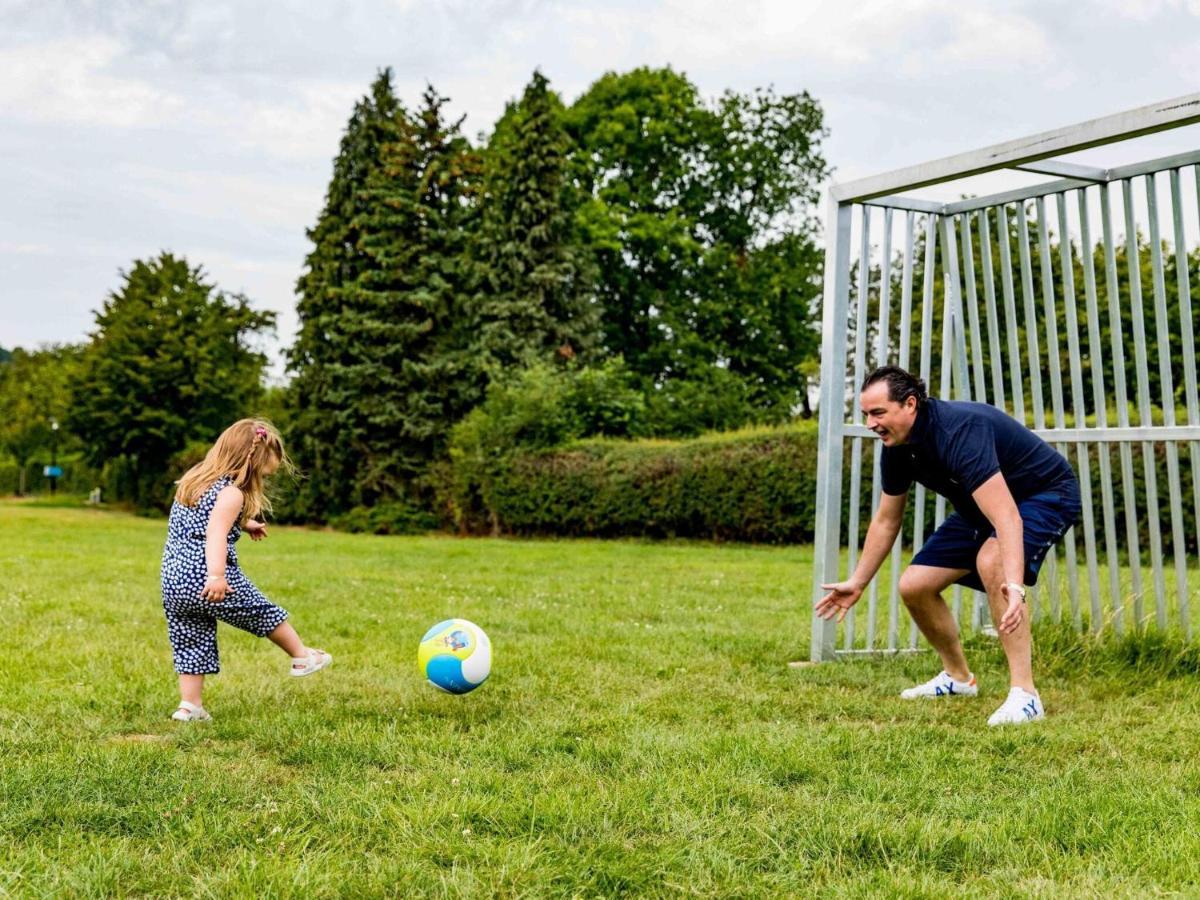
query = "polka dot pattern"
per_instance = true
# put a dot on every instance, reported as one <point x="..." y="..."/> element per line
<point x="192" y="620"/>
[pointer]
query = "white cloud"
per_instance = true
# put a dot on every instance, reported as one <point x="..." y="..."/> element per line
<point x="17" y="248"/>
<point x="1148" y="10"/>
<point x="302" y="122"/>
<point x="69" y="80"/>
<point x="222" y="196"/>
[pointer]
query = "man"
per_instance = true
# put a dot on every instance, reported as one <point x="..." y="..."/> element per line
<point x="1014" y="497"/>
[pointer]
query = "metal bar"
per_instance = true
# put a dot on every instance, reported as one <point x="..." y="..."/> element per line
<point x="1162" y="164"/>
<point x="1141" y="367"/>
<point x="1053" y="356"/>
<point x="1108" y="434"/>
<point x="1167" y="384"/>
<point x="1188" y="346"/>
<point x="946" y="373"/>
<point x="958" y="331"/>
<point x="1060" y="141"/>
<point x="1010" y="316"/>
<point x="989" y="294"/>
<point x="1016" y="195"/>
<point x="827" y="528"/>
<point x="1046" y="188"/>
<point x="905" y="339"/>
<point x="873" y="589"/>
<point x="909" y="204"/>
<point x="1096" y="354"/>
<point x="954" y="362"/>
<point x="1054" y="359"/>
<point x="906" y="293"/>
<point x="1118" y="354"/>
<point x="885" y="291"/>
<point x="1033" y="352"/>
<point x="860" y="359"/>
<point x="881" y="355"/>
<point x="927" y="295"/>
<point x="972" y="303"/>
<point x="1078" y="417"/>
<point x="1064" y="170"/>
<point x="923" y="373"/>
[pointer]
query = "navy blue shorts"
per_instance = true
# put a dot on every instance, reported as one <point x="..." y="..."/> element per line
<point x="1045" y="518"/>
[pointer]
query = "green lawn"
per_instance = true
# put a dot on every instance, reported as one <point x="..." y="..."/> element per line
<point x="641" y="735"/>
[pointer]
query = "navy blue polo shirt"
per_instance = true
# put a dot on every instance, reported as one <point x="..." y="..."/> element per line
<point x="957" y="445"/>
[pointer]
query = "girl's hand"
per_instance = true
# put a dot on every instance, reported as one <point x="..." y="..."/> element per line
<point x="215" y="588"/>
<point x="256" y="529"/>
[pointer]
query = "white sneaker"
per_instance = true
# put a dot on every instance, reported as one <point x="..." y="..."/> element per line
<point x="315" y="661"/>
<point x="1020" y="707"/>
<point x="942" y="685"/>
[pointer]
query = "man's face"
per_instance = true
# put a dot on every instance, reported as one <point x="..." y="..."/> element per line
<point x="890" y="420"/>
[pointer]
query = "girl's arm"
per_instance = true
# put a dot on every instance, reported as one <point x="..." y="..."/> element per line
<point x="225" y="512"/>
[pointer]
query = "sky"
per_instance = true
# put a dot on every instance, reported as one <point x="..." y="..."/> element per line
<point x="209" y="128"/>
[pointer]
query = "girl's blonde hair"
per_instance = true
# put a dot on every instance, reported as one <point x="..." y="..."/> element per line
<point x="242" y="452"/>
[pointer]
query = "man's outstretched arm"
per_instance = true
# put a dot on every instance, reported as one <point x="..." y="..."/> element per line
<point x="881" y="535"/>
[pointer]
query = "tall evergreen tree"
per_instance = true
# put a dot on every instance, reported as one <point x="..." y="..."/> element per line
<point x="537" y="297"/>
<point x="409" y="336"/>
<point x="323" y="393"/>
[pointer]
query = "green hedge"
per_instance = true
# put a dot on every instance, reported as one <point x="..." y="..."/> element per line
<point x="753" y="485"/>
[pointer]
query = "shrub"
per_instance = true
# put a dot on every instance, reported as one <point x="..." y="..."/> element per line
<point x="752" y="485"/>
<point x="386" y="518"/>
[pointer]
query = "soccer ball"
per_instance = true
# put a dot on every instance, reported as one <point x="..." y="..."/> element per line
<point x="455" y="655"/>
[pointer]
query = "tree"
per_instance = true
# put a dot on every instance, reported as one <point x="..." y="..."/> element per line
<point x="170" y="362"/>
<point x="698" y="214"/>
<point x="34" y="394"/>
<point x="536" y="299"/>
<point x="408" y="338"/>
<point x="321" y="396"/>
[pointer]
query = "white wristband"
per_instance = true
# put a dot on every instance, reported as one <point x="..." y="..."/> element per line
<point x="1012" y="585"/>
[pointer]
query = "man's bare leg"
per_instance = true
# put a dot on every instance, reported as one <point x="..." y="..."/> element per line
<point x="1018" y="646"/>
<point x="921" y="587"/>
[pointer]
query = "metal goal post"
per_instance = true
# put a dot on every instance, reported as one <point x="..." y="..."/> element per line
<point x="1068" y="304"/>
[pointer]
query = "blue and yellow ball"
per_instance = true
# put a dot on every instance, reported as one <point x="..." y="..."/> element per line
<point x="455" y="655"/>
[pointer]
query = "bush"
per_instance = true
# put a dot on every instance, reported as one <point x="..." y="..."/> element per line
<point x="386" y="518"/>
<point x="753" y="485"/>
<point x="541" y="407"/>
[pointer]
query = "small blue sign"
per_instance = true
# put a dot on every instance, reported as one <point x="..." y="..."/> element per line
<point x="52" y="471"/>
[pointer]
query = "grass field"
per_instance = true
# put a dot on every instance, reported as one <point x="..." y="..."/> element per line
<point x="641" y="735"/>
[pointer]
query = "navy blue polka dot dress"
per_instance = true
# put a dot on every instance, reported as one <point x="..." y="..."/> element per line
<point x="192" y="620"/>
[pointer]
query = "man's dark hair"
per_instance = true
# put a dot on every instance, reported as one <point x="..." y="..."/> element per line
<point x="901" y="384"/>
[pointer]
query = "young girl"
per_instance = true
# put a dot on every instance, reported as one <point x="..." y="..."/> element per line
<point x="201" y="581"/>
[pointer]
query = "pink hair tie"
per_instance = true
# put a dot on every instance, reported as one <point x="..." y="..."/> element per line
<point x="260" y="431"/>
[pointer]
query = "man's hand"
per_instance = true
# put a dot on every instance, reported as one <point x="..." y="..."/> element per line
<point x="1013" y="615"/>
<point x="838" y="601"/>
<point x="256" y="529"/>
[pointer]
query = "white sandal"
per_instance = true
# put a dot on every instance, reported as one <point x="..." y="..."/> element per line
<point x="190" y="712"/>
<point x="313" y="662"/>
